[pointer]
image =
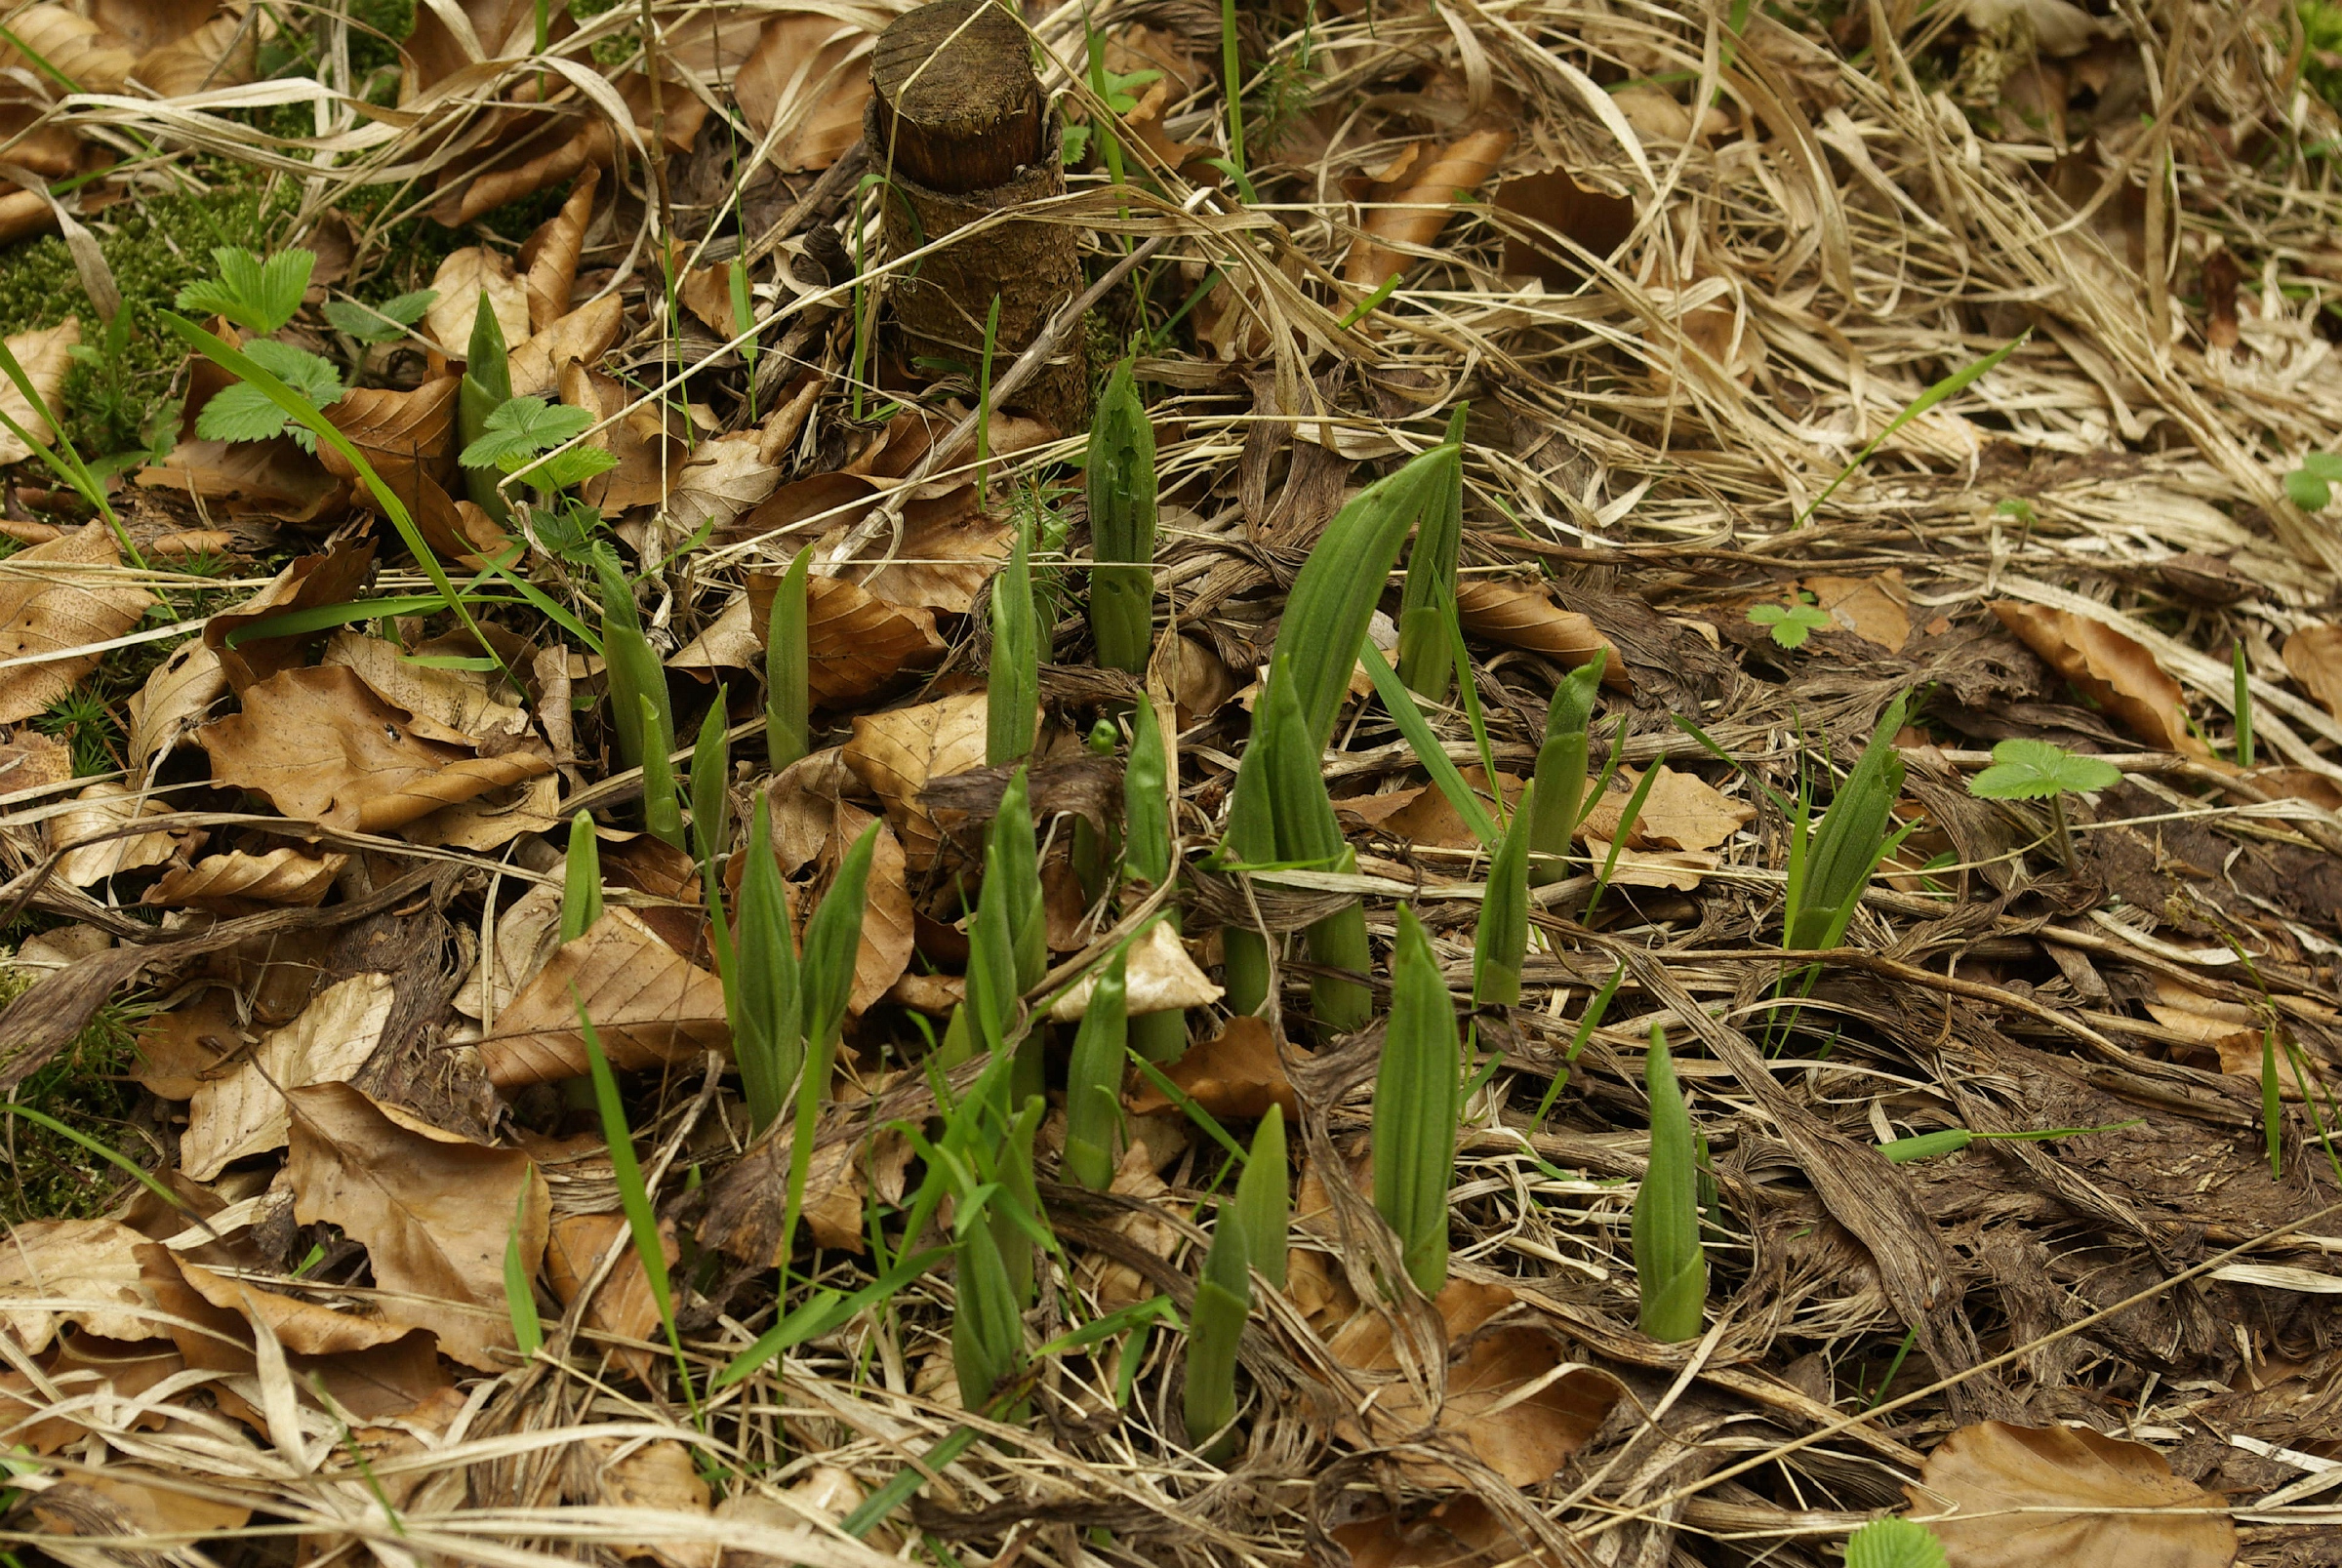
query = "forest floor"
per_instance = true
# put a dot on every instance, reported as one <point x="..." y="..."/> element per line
<point x="1905" y="380"/>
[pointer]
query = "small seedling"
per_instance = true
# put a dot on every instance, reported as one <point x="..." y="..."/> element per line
<point x="520" y="430"/>
<point x="1792" y="623"/>
<point x="2311" y="487"/>
<point x="258" y="296"/>
<point x="1012" y="688"/>
<point x="1223" y="1301"/>
<point x="1119" y="480"/>
<point x="2036" y="769"/>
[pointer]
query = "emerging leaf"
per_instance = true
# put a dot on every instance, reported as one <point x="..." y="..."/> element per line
<point x="520" y="428"/>
<point x="260" y="297"/>
<point x="242" y="412"/>
<point x="1893" y="1543"/>
<point x="1792" y="623"/>
<point x="379" y="323"/>
<point x="2035" y="770"/>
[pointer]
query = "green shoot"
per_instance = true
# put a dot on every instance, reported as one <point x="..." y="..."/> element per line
<point x="1588" y="1021"/>
<point x="1400" y="702"/>
<point x="1560" y="778"/>
<point x="1428" y="602"/>
<point x="1094" y="1082"/>
<point x="1670" y="1268"/>
<point x="787" y="669"/>
<point x="260" y="297"/>
<point x="1119" y="480"/>
<point x="1500" y="944"/>
<point x="2311" y="486"/>
<point x="2244" y="706"/>
<point x="1416" y="1092"/>
<point x="767" y="1032"/>
<point x="520" y="1292"/>
<point x="580" y="879"/>
<point x="1265" y="1199"/>
<point x="1013" y="689"/>
<point x="1952" y="1140"/>
<point x="743" y="320"/>
<point x="1215" y="1331"/>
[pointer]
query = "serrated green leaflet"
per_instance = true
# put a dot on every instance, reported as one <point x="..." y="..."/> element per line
<point x="2035" y="770"/>
<point x="1893" y="1542"/>
<point x="258" y="296"/>
<point x="244" y="413"/>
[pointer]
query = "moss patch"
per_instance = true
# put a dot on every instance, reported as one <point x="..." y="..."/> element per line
<point x="153" y="248"/>
<point x="47" y="1176"/>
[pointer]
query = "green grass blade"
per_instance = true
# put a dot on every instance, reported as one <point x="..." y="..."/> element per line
<point x="787" y="669"/>
<point x="634" y="1195"/>
<point x="1215" y="1331"/>
<point x="1264" y="1200"/>
<point x="1951" y="386"/>
<point x="520" y="1292"/>
<point x="1400" y="702"/>
<point x="1094" y="1081"/>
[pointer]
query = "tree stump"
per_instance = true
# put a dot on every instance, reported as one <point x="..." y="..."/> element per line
<point x="957" y="124"/>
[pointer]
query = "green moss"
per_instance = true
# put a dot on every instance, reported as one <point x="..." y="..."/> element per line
<point x="2322" y="64"/>
<point x="51" y="1178"/>
<point x="152" y="248"/>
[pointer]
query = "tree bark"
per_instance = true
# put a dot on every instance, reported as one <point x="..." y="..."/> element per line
<point x="958" y="126"/>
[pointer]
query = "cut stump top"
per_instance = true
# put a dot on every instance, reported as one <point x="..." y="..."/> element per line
<point x="958" y="103"/>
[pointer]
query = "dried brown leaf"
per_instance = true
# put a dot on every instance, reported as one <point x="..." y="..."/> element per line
<point x="2314" y="658"/>
<point x="85" y="1271"/>
<point x="1412" y="209"/>
<point x="857" y="644"/>
<point x="1158" y="977"/>
<point x="54" y="598"/>
<point x="624" y="1307"/>
<point x="896" y="753"/>
<point x="324" y="748"/>
<point x="2111" y="670"/>
<point x="2008" y="1488"/>
<point x="1511" y="1399"/>
<point x="581" y="337"/>
<point x="1235" y="1072"/>
<point x="807" y="75"/>
<point x="650" y="1006"/>
<point x="307" y="582"/>
<point x="549" y="259"/>
<point x="243" y="1112"/>
<point x="95" y="822"/>
<point x="462" y="279"/>
<point x="1522" y="615"/>
<point x="722" y="480"/>
<point x="1877" y="609"/>
<point x="434" y="1210"/>
<point x="43" y="355"/>
<point x="235" y="882"/>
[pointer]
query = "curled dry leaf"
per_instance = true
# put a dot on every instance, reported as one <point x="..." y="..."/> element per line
<point x="243" y="1112"/>
<point x="323" y="748"/>
<point x="46" y="358"/>
<point x="856" y="644"/>
<point x="307" y="582"/>
<point x="1521" y="614"/>
<point x="403" y="435"/>
<point x="650" y="1006"/>
<point x="1414" y="204"/>
<point x="1512" y="1401"/>
<point x="887" y="935"/>
<point x="950" y="551"/>
<point x="130" y="1500"/>
<point x="1681" y="811"/>
<point x="896" y="753"/>
<point x="453" y="706"/>
<point x="1554" y="205"/>
<point x="1159" y="975"/>
<point x="2111" y="670"/>
<point x="729" y="642"/>
<point x="56" y="598"/>
<point x="2314" y="658"/>
<point x="2006" y="1488"/>
<point x="221" y="51"/>
<point x="723" y="479"/>
<point x="579" y="337"/>
<point x="274" y="479"/>
<point x="624" y="1307"/>
<point x="806" y="75"/>
<point x="229" y="1277"/>
<point x="434" y="1210"/>
<point x="1877" y="609"/>
<point x="96" y="822"/>
<point x="69" y="44"/>
<point x="526" y="934"/>
<point x="549" y="261"/>
<point x="461" y="280"/>
<point x="178" y="1049"/>
<point x="1234" y="1073"/>
<point x="654" y="1478"/>
<point x="235" y="882"/>
<point x="83" y="1271"/>
<point x="30" y="760"/>
<point x="1460" y="1532"/>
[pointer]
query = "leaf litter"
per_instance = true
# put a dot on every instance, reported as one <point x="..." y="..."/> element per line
<point x="1809" y="362"/>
